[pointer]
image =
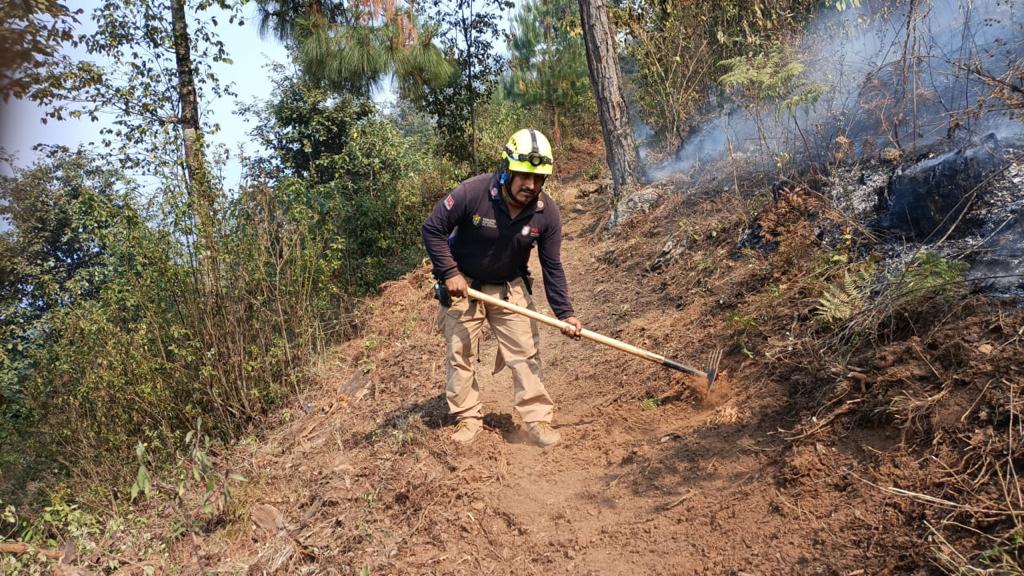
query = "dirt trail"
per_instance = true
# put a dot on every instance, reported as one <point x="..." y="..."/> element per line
<point x="651" y="477"/>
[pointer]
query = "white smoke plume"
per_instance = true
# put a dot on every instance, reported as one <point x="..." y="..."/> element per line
<point x="896" y="76"/>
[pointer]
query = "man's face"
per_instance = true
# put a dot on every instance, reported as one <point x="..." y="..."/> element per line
<point x="525" y="187"/>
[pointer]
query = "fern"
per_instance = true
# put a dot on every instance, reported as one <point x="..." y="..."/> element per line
<point x="927" y="275"/>
<point x="840" y="302"/>
<point x="771" y="76"/>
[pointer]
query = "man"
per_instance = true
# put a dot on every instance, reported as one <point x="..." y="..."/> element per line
<point x="481" y="235"/>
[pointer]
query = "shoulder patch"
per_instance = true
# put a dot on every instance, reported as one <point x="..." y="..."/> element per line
<point x="449" y="202"/>
<point x="540" y="204"/>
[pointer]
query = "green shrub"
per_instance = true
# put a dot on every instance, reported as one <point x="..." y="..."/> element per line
<point x="496" y="121"/>
<point x="109" y="336"/>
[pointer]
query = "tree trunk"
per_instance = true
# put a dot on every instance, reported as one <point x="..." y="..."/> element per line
<point x="602" y="60"/>
<point x="556" y="126"/>
<point x="199" y="185"/>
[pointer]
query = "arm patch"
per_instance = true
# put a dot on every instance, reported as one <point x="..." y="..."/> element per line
<point x="449" y="202"/>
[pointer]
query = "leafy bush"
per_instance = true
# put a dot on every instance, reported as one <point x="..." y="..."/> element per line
<point x="498" y="120"/>
<point x="110" y="336"/>
<point x="928" y="275"/>
<point x="357" y="182"/>
<point x="772" y="76"/>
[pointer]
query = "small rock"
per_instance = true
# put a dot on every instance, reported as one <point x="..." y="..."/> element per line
<point x="268" y="518"/>
<point x="985" y="348"/>
<point x="929" y="197"/>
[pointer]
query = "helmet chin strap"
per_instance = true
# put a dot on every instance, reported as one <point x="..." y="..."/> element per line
<point x="506" y="193"/>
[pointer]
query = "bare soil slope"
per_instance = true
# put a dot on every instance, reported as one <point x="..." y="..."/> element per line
<point x="775" y="472"/>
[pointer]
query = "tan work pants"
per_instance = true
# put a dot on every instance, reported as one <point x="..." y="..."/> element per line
<point x="518" y="348"/>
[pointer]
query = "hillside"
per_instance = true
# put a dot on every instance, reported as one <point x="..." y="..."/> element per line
<point x="794" y="464"/>
<point x="219" y="353"/>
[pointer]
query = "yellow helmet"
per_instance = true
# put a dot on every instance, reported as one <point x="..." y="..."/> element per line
<point x="528" y="151"/>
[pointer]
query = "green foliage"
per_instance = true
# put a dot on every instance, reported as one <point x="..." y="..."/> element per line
<point x="769" y="76"/>
<point x="548" y="65"/>
<point x="741" y="325"/>
<point x="672" y="48"/>
<point x="359" y="52"/>
<point x="107" y="339"/>
<point x="117" y="339"/>
<point x="129" y="77"/>
<point x="197" y="466"/>
<point x="59" y="519"/>
<point x="841" y="301"/>
<point x="439" y="173"/>
<point x="498" y="119"/>
<point x="928" y="275"/>
<point x="64" y="253"/>
<point x="1001" y="558"/>
<point x="142" y="484"/>
<point x="352" y="176"/>
<point x="467" y="32"/>
<point x="740" y="322"/>
<point x="31" y="38"/>
<point x="65" y="518"/>
<point x="859" y="306"/>
<point x="650" y="403"/>
<point x="379" y="206"/>
<point x="304" y="126"/>
<point x="353" y="46"/>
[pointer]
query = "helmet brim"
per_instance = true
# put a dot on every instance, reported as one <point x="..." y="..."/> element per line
<point x="527" y="168"/>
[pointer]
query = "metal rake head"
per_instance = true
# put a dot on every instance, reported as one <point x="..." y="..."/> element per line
<point x="711" y="368"/>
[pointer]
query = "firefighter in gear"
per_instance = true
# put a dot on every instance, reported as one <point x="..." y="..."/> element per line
<point x="482" y="235"/>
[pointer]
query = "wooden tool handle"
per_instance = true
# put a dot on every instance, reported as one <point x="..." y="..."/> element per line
<point x="588" y="334"/>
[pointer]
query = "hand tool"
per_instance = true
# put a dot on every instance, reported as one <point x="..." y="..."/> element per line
<point x="710" y="372"/>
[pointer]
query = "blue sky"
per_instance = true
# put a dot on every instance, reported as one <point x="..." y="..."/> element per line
<point x="250" y="54"/>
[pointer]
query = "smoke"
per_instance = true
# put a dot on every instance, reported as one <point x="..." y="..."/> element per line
<point x="708" y="144"/>
<point x="903" y="78"/>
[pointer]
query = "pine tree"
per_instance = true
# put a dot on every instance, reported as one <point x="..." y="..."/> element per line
<point x="548" y="66"/>
<point x="353" y="47"/>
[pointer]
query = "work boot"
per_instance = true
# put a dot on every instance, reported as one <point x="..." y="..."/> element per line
<point x="466" y="430"/>
<point x="542" y="434"/>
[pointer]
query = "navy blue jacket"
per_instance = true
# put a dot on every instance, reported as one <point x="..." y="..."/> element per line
<point x="471" y="231"/>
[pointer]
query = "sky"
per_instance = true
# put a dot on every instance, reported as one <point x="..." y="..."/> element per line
<point x="248" y="73"/>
